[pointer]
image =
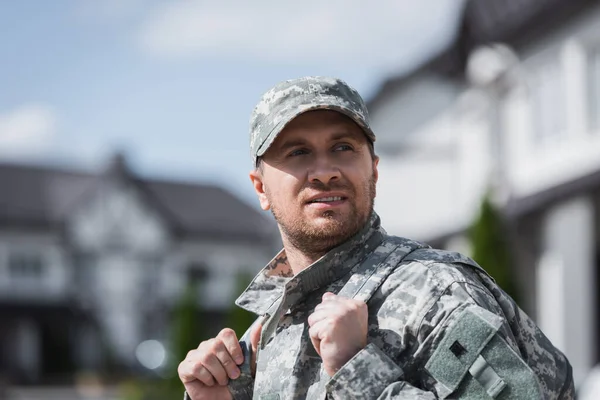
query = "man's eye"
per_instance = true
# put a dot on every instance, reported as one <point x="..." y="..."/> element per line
<point x="343" y="147"/>
<point x="298" y="152"/>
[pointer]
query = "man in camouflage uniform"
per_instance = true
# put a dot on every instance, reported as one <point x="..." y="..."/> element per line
<point x="347" y="311"/>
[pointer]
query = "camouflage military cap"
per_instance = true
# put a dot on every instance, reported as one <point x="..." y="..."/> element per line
<point x="290" y="98"/>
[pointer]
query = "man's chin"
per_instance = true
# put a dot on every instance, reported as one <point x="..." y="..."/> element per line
<point x="328" y="226"/>
<point x="328" y="219"/>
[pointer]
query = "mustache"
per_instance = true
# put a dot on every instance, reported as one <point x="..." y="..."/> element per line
<point x="322" y="187"/>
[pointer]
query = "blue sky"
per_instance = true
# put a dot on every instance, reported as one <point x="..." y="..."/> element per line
<point x="173" y="83"/>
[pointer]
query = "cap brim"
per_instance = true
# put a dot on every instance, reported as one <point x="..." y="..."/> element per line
<point x="312" y="107"/>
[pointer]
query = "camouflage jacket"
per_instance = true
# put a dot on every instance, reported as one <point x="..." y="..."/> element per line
<point x="439" y="327"/>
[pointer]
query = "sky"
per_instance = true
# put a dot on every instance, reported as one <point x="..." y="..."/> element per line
<point x="171" y="84"/>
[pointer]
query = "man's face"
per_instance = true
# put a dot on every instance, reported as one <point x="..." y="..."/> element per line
<point x="318" y="179"/>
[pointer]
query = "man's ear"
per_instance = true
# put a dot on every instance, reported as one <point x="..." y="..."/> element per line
<point x="259" y="187"/>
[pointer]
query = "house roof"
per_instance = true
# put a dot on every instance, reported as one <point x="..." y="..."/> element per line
<point x="39" y="196"/>
<point x="514" y="22"/>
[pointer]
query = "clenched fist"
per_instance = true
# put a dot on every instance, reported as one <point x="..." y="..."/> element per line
<point x="338" y="330"/>
<point x="206" y="371"/>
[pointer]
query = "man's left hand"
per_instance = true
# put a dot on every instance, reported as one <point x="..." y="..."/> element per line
<point x="338" y="330"/>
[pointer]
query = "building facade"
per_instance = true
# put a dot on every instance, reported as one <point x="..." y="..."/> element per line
<point x="92" y="264"/>
<point x="513" y="103"/>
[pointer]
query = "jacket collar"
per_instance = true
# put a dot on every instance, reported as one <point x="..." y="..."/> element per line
<point x="276" y="278"/>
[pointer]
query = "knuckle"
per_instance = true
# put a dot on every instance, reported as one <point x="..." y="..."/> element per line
<point x="227" y="333"/>
<point x="212" y="345"/>
<point x="203" y="358"/>
<point x="203" y="344"/>
<point x="198" y="369"/>
<point x="227" y="362"/>
<point x="353" y="304"/>
<point x="219" y="347"/>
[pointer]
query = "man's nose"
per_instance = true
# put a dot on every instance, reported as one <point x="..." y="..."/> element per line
<point x="324" y="171"/>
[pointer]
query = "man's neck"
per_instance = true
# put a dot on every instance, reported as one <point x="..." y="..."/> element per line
<point x="298" y="259"/>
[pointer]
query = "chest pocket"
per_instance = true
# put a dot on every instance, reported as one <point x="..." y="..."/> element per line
<point x="474" y="362"/>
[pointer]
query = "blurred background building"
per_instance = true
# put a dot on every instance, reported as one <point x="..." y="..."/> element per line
<point x="513" y="106"/>
<point x="91" y="265"/>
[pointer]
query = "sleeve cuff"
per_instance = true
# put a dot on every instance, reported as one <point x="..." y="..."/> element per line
<point x="365" y="376"/>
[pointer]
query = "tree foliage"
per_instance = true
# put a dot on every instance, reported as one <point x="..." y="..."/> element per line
<point x="491" y="248"/>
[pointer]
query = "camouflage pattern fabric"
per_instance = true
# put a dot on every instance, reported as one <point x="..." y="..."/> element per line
<point x="291" y="98"/>
<point x="430" y="296"/>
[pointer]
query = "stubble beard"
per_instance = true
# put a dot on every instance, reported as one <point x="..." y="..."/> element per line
<point x="316" y="239"/>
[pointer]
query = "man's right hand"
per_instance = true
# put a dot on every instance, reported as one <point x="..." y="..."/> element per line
<point x="206" y="371"/>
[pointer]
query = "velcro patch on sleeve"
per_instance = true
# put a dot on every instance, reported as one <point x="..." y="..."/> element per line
<point x="473" y="361"/>
<point x="461" y="345"/>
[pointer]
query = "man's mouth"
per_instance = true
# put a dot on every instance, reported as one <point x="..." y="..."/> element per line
<point x="327" y="199"/>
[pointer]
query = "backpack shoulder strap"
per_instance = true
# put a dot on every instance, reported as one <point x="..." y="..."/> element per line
<point x="371" y="274"/>
<point x="375" y="270"/>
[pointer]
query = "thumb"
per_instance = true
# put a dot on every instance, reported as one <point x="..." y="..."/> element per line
<point x="254" y="339"/>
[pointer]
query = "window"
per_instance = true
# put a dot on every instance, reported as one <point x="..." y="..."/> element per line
<point x="197" y="274"/>
<point x="549" y="103"/>
<point x="593" y="69"/>
<point x="25" y="266"/>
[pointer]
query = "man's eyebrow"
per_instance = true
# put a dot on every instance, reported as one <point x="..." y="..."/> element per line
<point x="345" y="135"/>
<point x="292" y="143"/>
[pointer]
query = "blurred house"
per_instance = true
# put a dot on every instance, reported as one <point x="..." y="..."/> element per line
<point x="91" y="264"/>
<point x="513" y="103"/>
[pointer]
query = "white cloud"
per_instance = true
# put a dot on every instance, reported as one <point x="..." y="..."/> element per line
<point x="27" y="130"/>
<point x="336" y="32"/>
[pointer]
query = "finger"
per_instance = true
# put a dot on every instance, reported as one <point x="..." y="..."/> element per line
<point x="313" y="333"/>
<point x="215" y="368"/>
<point x="316" y="344"/>
<point x="191" y="369"/>
<point x="255" y="337"/>
<point x="203" y="375"/>
<point x="185" y="370"/>
<point x="329" y="296"/>
<point x="254" y="341"/>
<point x="319" y="330"/>
<point x="232" y="345"/>
<point x="224" y="357"/>
<point x="317" y="316"/>
<point x="327" y="305"/>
